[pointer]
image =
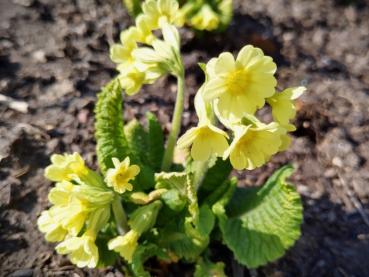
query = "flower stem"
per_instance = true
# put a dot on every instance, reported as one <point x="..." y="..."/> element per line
<point x="176" y="125"/>
<point x="120" y="216"/>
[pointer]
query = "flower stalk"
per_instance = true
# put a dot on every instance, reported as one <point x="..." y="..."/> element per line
<point x="176" y="124"/>
<point x="120" y="216"/>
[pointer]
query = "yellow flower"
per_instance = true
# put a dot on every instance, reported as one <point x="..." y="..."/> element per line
<point x="122" y="53"/>
<point x="206" y="140"/>
<point x="65" y="167"/>
<point x="285" y="137"/>
<point x="162" y="11"/>
<point x="53" y="229"/>
<point x="125" y="245"/>
<point x="82" y="251"/>
<point x="283" y="108"/>
<point x="163" y="57"/>
<point x="132" y="81"/>
<point x="144" y="29"/>
<point x="71" y="216"/>
<point x="253" y="145"/>
<point x="240" y="86"/>
<point x="119" y="176"/>
<point x="61" y="193"/>
<point x="205" y="19"/>
<point x="204" y="110"/>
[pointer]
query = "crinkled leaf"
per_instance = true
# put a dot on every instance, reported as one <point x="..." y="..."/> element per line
<point x="171" y="180"/>
<point x="156" y="142"/>
<point x="187" y="235"/>
<point x="110" y="138"/>
<point x="141" y="255"/>
<point x="137" y="139"/>
<point x="214" y="178"/>
<point x="261" y="226"/>
<point x="206" y="268"/>
<point x="177" y="196"/>
<point x="176" y="239"/>
<point x="106" y="256"/>
<point x="174" y="200"/>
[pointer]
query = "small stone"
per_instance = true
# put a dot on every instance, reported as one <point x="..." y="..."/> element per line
<point x="39" y="56"/>
<point x="337" y="162"/>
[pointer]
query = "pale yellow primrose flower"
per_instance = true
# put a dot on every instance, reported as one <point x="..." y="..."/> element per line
<point x="240" y="85"/>
<point x="64" y="167"/>
<point x="61" y="193"/>
<point x="122" y="53"/>
<point x="125" y="245"/>
<point x="82" y="251"/>
<point x="254" y="145"/>
<point x="132" y="80"/>
<point x="205" y="19"/>
<point x="67" y="215"/>
<point x="164" y="55"/>
<point x="282" y="103"/>
<point x="162" y="11"/>
<point x="206" y="139"/>
<point x="145" y="34"/>
<point x="53" y="229"/>
<point x="118" y="177"/>
<point x="71" y="216"/>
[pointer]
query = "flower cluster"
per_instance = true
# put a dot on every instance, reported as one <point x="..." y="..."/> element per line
<point x="81" y="203"/>
<point x="142" y="57"/>
<point x="234" y="90"/>
<point x="151" y="208"/>
<point x="203" y="15"/>
<point x="207" y="15"/>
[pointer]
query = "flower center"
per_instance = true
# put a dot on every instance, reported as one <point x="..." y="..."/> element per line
<point x="247" y="138"/>
<point x="121" y="177"/>
<point x="237" y="82"/>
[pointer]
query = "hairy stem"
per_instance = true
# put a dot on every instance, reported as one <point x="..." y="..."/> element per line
<point x="176" y="125"/>
<point x="120" y="216"/>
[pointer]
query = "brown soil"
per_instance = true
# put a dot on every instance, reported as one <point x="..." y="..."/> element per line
<point x="54" y="56"/>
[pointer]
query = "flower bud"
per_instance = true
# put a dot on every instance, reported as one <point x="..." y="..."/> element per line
<point x="144" y="217"/>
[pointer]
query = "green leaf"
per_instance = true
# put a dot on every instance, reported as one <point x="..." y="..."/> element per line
<point x="217" y="194"/>
<point x="171" y="180"/>
<point x="215" y="177"/>
<point x="106" y="256"/>
<point x="110" y="138"/>
<point x="187" y="235"/>
<point x="205" y="268"/>
<point x="141" y="255"/>
<point x="174" y="236"/>
<point x="175" y="183"/>
<point x="156" y="142"/>
<point x="260" y="227"/>
<point x="137" y="139"/>
<point x="217" y="174"/>
<point x="174" y="200"/>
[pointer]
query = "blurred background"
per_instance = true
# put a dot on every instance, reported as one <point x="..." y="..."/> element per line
<point x="54" y="58"/>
